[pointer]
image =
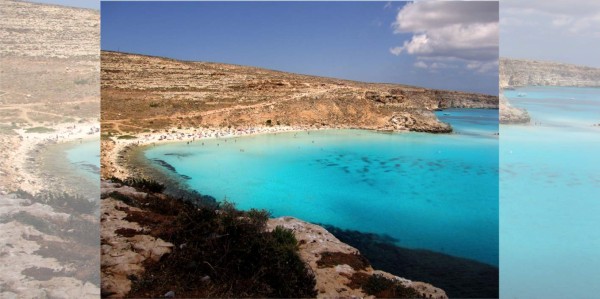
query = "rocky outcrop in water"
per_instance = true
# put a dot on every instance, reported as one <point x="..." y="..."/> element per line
<point x="519" y="73"/>
<point x="512" y="115"/>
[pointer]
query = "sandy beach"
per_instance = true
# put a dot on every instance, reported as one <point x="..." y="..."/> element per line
<point x="112" y="150"/>
<point x="24" y="169"/>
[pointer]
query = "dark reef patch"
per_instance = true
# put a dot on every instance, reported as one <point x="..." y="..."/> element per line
<point x="90" y="167"/>
<point x="459" y="277"/>
<point x="171" y="168"/>
<point x="181" y="155"/>
<point x="165" y="165"/>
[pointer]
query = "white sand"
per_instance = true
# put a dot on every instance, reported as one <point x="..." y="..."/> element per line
<point x="69" y="132"/>
<point x="183" y="135"/>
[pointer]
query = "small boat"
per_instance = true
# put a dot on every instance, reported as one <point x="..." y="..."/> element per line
<point x="446" y="113"/>
<point x="521" y="94"/>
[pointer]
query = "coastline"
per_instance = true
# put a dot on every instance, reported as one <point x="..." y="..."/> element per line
<point x="31" y="144"/>
<point x="123" y="154"/>
<point x="113" y="150"/>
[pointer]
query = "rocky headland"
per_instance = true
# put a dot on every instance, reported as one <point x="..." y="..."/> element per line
<point x="516" y="73"/>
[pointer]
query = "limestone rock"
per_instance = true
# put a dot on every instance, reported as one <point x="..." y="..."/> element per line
<point x="334" y="281"/>
<point x="512" y="115"/>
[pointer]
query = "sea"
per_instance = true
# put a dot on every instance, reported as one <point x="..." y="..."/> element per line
<point x="550" y="195"/>
<point x="74" y="167"/>
<point x="437" y="192"/>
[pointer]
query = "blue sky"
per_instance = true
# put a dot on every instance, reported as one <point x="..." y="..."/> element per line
<point x="349" y="40"/>
<point x="92" y="4"/>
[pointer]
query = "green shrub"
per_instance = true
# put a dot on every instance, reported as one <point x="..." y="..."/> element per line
<point x="81" y="81"/>
<point x="39" y="130"/>
<point x="61" y="201"/>
<point x="284" y="237"/>
<point x="126" y="137"/>
<point x="123" y="198"/>
<point x="382" y="287"/>
<point x="230" y="246"/>
<point x="147" y="185"/>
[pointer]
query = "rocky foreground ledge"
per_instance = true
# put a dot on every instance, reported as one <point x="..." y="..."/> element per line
<point x="134" y="255"/>
<point x="337" y="265"/>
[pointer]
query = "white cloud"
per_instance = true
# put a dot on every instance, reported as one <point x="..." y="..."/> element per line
<point x="581" y="17"/>
<point x="420" y="64"/>
<point x="462" y="31"/>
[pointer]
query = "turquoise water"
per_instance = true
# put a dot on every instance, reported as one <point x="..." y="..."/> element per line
<point x="476" y="122"/>
<point x="549" y="195"/>
<point x="85" y="156"/>
<point x="436" y="192"/>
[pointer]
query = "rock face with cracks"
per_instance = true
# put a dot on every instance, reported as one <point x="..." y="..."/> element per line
<point x="520" y="72"/>
<point x="124" y="247"/>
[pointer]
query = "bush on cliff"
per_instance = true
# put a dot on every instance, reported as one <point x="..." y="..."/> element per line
<point x="147" y="185"/>
<point x="219" y="252"/>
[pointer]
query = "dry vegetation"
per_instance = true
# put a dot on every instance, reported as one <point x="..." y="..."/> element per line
<point x="218" y="251"/>
<point x="50" y="72"/>
<point x="144" y="93"/>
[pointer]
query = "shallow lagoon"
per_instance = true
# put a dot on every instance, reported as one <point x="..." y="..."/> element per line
<point x="436" y="192"/>
<point x="75" y="166"/>
<point x="85" y="156"/>
<point x="549" y="191"/>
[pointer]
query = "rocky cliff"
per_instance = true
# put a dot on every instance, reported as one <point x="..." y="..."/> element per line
<point x="131" y="244"/>
<point x="519" y="72"/>
<point x="143" y="92"/>
<point x="337" y="265"/>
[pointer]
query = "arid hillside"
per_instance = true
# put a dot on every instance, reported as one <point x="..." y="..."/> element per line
<point x="519" y="72"/>
<point x="49" y="74"/>
<point x="49" y="77"/>
<point x="142" y="93"/>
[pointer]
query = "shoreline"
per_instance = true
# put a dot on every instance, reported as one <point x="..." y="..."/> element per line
<point x="26" y="158"/>
<point x="113" y="154"/>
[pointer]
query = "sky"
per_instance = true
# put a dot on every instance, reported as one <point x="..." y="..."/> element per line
<point x="436" y="45"/>
<point x="561" y="31"/>
<point x="92" y="4"/>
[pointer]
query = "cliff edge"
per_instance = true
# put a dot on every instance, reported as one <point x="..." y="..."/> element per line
<point x="154" y="245"/>
<point x="520" y="72"/>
